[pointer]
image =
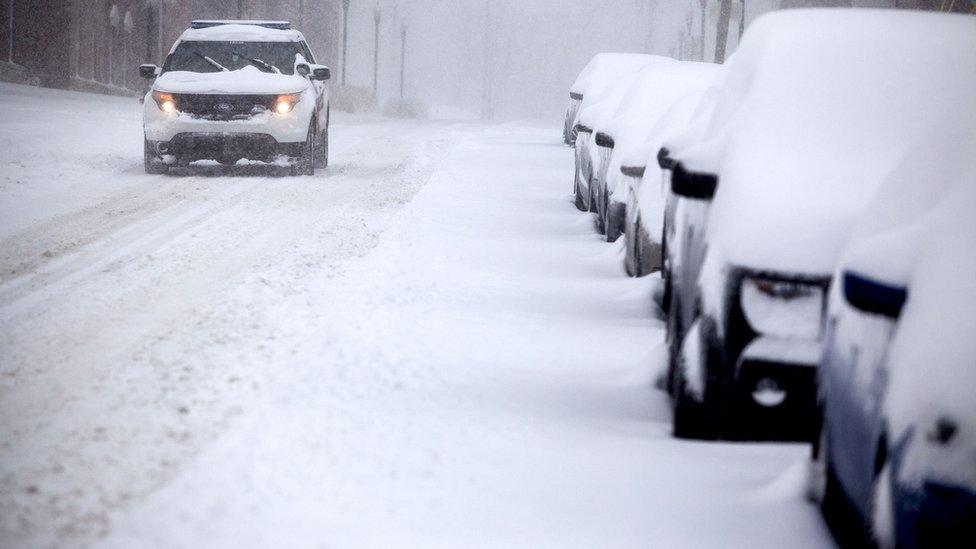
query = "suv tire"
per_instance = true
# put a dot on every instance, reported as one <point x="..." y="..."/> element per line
<point x="153" y="164"/>
<point x="305" y="164"/>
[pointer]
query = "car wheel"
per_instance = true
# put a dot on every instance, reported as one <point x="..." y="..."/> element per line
<point x="613" y="226"/>
<point x="601" y="211"/>
<point x="817" y="471"/>
<point x="632" y="250"/>
<point x="322" y="148"/>
<point x="153" y="164"/>
<point x="305" y="164"/>
<point x="881" y="526"/>
<point x="580" y="200"/>
<point x="691" y="418"/>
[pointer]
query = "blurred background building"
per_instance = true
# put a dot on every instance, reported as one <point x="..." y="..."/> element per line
<point x="96" y="45"/>
<point x="498" y="59"/>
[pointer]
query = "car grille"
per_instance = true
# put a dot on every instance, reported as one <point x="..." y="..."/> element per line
<point x="224" y="107"/>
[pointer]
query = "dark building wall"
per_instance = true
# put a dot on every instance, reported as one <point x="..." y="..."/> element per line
<point x="96" y="45"/>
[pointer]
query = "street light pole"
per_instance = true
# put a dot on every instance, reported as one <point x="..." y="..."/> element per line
<point x="376" y="48"/>
<point x="403" y="55"/>
<point x="704" y="15"/>
<point x="10" y="31"/>
<point x="345" y="36"/>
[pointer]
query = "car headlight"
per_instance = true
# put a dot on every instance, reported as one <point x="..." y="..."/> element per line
<point x="285" y="103"/>
<point x="783" y="308"/>
<point x="165" y="101"/>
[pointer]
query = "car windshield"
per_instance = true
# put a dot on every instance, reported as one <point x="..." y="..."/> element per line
<point x="209" y="56"/>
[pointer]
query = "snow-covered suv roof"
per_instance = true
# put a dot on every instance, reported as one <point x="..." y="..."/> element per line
<point x="240" y="31"/>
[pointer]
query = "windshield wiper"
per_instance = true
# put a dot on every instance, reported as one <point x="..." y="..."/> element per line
<point x="258" y="62"/>
<point x="211" y="61"/>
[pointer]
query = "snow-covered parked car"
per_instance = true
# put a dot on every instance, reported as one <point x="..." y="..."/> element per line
<point x="645" y="184"/>
<point x="895" y="459"/>
<point x="595" y="77"/>
<point x="597" y="108"/>
<point x="627" y="134"/>
<point x="236" y="90"/>
<point x="812" y="112"/>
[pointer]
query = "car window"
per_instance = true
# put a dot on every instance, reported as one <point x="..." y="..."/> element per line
<point x="191" y="55"/>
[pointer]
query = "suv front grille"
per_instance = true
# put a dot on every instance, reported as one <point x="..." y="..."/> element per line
<point x="224" y="107"/>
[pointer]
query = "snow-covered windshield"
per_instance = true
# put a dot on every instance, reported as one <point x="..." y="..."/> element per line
<point x="210" y="56"/>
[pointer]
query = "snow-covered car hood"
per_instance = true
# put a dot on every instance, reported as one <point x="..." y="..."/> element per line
<point x="817" y="107"/>
<point x="248" y="80"/>
<point x="605" y="67"/>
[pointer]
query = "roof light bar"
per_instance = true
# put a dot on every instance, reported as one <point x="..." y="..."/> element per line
<point x="206" y="24"/>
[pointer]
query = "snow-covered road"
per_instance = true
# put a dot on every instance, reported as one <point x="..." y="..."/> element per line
<point x="424" y="346"/>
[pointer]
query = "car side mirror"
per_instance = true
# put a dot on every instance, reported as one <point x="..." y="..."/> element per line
<point x="148" y="71"/>
<point x="664" y="159"/>
<point x="873" y="296"/>
<point x="697" y="185"/>
<point x="321" y="74"/>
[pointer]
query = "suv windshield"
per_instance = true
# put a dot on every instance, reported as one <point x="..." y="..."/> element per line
<point x="207" y="56"/>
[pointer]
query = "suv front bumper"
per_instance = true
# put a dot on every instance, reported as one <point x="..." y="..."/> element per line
<point x="225" y="147"/>
<point x="282" y="128"/>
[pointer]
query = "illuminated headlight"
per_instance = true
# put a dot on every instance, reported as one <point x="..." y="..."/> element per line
<point x="285" y="103"/>
<point x="784" y="309"/>
<point x="165" y="101"/>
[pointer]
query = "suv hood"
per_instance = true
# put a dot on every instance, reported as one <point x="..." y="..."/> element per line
<point x="248" y="80"/>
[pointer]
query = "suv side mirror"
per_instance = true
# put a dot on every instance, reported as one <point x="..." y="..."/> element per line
<point x="873" y="296"/>
<point x="148" y="71"/>
<point x="321" y="73"/>
<point x="690" y="184"/>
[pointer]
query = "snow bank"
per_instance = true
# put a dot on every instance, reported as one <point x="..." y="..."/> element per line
<point x="483" y="379"/>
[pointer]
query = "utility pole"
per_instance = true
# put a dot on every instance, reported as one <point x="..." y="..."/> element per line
<point x="160" y="32"/>
<point x="403" y="55"/>
<point x="301" y="14"/>
<point x="376" y="49"/>
<point x="722" y="36"/>
<point x="486" y="110"/>
<point x="10" y="31"/>
<point x="704" y="15"/>
<point x="345" y="37"/>
<point x="742" y="19"/>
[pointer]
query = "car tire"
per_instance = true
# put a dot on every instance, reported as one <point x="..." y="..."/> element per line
<point x="632" y="249"/>
<point x="881" y="522"/>
<point x="322" y="147"/>
<point x="152" y="163"/>
<point x="614" y="220"/>
<point x="691" y="418"/>
<point x="305" y="164"/>
<point x="817" y="471"/>
<point x="580" y="200"/>
<point x="589" y="192"/>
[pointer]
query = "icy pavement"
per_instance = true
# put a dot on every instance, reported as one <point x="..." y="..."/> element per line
<point x="254" y="361"/>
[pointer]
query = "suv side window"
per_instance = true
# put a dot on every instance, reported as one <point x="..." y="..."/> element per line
<point x="307" y="52"/>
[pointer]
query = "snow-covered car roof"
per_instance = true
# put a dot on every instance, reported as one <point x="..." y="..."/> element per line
<point x="604" y="67"/>
<point x="239" y="32"/>
<point x="813" y="110"/>
<point x="651" y="194"/>
<point x="652" y="93"/>
<point x="601" y="102"/>
<point x="647" y="100"/>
